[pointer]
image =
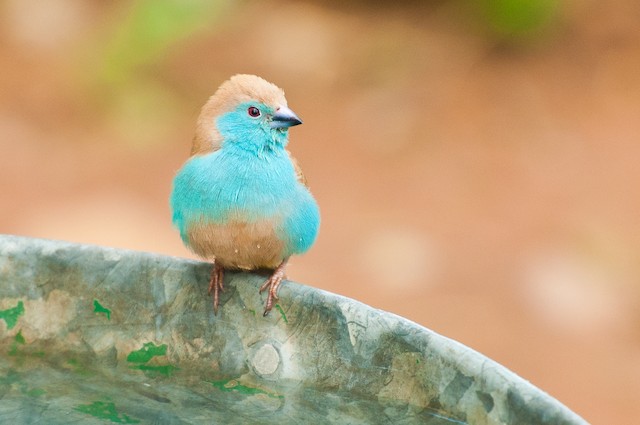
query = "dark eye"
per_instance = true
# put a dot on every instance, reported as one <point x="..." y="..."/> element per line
<point x="253" y="112"/>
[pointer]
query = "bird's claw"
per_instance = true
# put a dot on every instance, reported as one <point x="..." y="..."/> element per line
<point x="216" y="285"/>
<point x="272" y="293"/>
<point x="272" y="284"/>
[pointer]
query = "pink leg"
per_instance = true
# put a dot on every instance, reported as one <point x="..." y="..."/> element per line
<point x="273" y="283"/>
<point x="216" y="285"/>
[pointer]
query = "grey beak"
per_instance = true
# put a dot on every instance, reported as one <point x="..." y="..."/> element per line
<point x="284" y="118"/>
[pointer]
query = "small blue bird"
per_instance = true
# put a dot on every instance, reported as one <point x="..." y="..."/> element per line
<point x="240" y="199"/>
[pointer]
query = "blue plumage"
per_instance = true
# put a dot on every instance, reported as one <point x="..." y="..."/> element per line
<point x="240" y="199"/>
<point x="231" y="182"/>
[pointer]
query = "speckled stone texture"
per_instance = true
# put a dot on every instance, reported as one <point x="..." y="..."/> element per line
<point x="95" y="335"/>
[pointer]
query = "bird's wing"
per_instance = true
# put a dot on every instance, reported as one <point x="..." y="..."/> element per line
<point x="201" y="147"/>
<point x="299" y="174"/>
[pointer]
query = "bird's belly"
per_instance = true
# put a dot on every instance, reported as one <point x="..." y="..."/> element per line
<point x="238" y="244"/>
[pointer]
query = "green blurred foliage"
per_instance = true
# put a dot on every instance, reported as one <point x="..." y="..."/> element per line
<point x="125" y="70"/>
<point x="506" y="20"/>
<point x="515" y="20"/>
<point x="149" y="29"/>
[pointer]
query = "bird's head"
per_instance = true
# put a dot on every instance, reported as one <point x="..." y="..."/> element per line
<point x="247" y="111"/>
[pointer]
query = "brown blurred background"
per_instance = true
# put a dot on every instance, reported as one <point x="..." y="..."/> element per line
<point x="476" y="161"/>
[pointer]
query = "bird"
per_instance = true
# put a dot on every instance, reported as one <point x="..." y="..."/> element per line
<point x="241" y="200"/>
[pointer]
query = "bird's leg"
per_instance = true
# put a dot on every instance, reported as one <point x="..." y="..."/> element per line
<point x="216" y="285"/>
<point x="272" y="284"/>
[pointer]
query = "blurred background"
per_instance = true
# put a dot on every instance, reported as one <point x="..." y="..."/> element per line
<point x="476" y="161"/>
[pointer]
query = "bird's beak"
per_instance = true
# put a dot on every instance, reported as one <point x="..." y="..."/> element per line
<point x="284" y="118"/>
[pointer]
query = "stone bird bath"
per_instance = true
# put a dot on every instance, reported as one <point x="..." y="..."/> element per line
<point x="95" y="335"/>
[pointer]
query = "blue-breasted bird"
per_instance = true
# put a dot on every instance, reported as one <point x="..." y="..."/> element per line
<point x="240" y="199"/>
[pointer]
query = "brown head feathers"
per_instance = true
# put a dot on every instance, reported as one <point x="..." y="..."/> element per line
<point x="236" y="90"/>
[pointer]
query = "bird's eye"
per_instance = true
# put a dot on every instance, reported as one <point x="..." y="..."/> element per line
<point x="253" y="112"/>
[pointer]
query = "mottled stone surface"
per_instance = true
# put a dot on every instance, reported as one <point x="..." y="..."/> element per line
<point x="95" y="335"/>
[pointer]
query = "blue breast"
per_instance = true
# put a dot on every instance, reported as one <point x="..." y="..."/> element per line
<point x="236" y="183"/>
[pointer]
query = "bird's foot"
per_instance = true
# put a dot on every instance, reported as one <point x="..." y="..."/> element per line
<point x="216" y="285"/>
<point x="272" y="284"/>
